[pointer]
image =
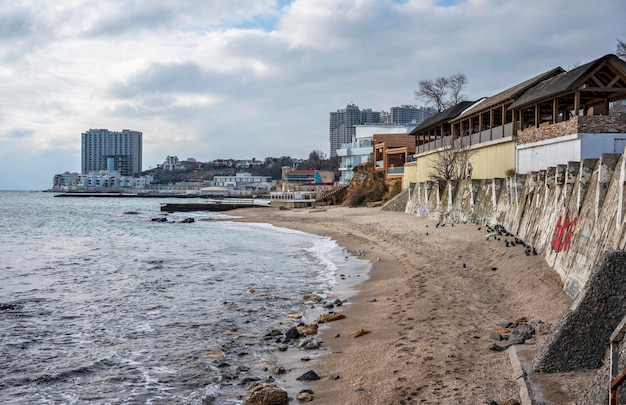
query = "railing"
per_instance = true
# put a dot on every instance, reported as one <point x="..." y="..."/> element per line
<point x="617" y="378"/>
<point x="395" y="170"/>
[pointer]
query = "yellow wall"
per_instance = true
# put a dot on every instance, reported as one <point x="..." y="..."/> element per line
<point x="489" y="160"/>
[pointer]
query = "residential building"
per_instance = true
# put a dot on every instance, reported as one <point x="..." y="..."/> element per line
<point x="342" y="125"/>
<point x="172" y="163"/>
<point x="391" y="152"/>
<point x="102" y="149"/>
<point x="241" y="180"/>
<point x="407" y="114"/>
<point x="360" y="150"/>
<point x="551" y="119"/>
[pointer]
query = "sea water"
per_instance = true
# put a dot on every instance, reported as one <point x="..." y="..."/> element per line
<point x="101" y="304"/>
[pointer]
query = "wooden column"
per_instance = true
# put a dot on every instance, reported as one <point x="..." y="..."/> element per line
<point x="491" y="124"/>
<point x="576" y="102"/>
<point x="555" y="109"/>
<point x="536" y="115"/>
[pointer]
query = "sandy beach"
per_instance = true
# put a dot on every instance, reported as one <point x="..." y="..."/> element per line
<point x="432" y="299"/>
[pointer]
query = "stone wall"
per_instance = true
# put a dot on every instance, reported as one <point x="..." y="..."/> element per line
<point x="580" y="338"/>
<point x="597" y="124"/>
<point x="572" y="214"/>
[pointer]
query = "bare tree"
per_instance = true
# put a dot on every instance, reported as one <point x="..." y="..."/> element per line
<point x="457" y="83"/>
<point x="621" y="49"/>
<point x="451" y="163"/>
<point x="316" y="158"/>
<point x="442" y="92"/>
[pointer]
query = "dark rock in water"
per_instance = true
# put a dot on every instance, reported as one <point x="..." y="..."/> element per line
<point x="8" y="307"/>
<point x="159" y="219"/>
<point x="274" y="332"/>
<point x="264" y="394"/>
<point x="131" y="213"/>
<point x="248" y="380"/>
<point x="338" y="302"/>
<point x="309" y="376"/>
<point x="187" y="221"/>
<point x="292" y="333"/>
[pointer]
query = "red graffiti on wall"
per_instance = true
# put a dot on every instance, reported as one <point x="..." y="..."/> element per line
<point x="563" y="233"/>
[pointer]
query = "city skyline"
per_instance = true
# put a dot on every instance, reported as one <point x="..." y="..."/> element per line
<point x="258" y="78"/>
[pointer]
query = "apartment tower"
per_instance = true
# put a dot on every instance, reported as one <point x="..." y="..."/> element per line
<point x="110" y="150"/>
<point x="342" y="123"/>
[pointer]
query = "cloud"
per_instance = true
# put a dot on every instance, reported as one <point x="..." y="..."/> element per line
<point x="246" y="78"/>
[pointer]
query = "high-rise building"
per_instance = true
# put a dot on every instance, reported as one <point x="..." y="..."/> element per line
<point x="342" y="125"/>
<point x="109" y="150"/>
<point x="407" y="114"/>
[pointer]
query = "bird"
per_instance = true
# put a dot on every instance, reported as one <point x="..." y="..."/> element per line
<point x="506" y="242"/>
<point x="437" y="226"/>
<point x="464" y="265"/>
<point x="479" y="228"/>
<point x="378" y="259"/>
<point x="534" y="252"/>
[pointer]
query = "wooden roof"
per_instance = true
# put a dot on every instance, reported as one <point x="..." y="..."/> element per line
<point x="510" y="94"/>
<point x="604" y="75"/>
<point x="442" y="117"/>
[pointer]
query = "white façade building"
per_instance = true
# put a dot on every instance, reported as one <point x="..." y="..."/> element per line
<point x="99" y="179"/>
<point x="361" y="150"/>
<point x="242" y="180"/>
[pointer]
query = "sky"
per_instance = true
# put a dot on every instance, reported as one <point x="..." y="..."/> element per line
<point x="240" y="79"/>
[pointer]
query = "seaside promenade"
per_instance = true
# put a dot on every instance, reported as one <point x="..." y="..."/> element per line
<point x="435" y="298"/>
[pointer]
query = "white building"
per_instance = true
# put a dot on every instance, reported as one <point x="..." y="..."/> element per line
<point x="99" y="179"/>
<point x="242" y="180"/>
<point x="171" y="164"/>
<point x="361" y="150"/>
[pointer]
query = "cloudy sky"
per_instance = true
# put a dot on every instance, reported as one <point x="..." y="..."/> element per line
<point x="255" y="78"/>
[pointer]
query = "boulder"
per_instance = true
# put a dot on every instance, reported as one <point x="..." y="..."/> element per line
<point x="266" y="394"/>
<point x="309" y="376"/>
<point x="358" y="332"/>
<point x="310" y="329"/>
<point x="329" y="317"/>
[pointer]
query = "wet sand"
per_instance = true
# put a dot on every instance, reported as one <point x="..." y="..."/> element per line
<point x="432" y="298"/>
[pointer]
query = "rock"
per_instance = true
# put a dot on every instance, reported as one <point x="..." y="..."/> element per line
<point x="277" y="370"/>
<point x="292" y="333"/>
<point x="371" y="300"/>
<point x="359" y="332"/>
<point x="274" y="332"/>
<point x="294" y="316"/>
<point x="304" y="396"/>
<point x="312" y="297"/>
<point x="250" y="291"/>
<point x="510" y="401"/>
<point x="490" y="402"/>
<point x="187" y="221"/>
<point x="249" y="380"/>
<point x="497" y="348"/>
<point x="520" y="319"/>
<point x="329" y="317"/>
<point x="159" y="219"/>
<point x="312" y="345"/>
<point x="334" y="377"/>
<point x="309" y="376"/>
<point x="266" y="394"/>
<point x="516" y="340"/>
<point x="310" y="329"/>
<point x="495" y="336"/>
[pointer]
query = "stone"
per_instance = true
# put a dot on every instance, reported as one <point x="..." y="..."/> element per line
<point x="510" y="401"/>
<point x="495" y="336"/>
<point x="310" y="329"/>
<point x="309" y="376"/>
<point x="334" y="377"/>
<point x="187" y="221"/>
<point x="329" y="317"/>
<point x="304" y="396"/>
<point x="497" y="348"/>
<point x="294" y="316"/>
<point x="359" y="332"/>
<point x="292" y="333"/>
<point x="266" y="394"/>
<point x="312" y="297"/>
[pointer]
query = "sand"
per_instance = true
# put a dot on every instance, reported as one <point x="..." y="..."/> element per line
<point x="432" y="298"/>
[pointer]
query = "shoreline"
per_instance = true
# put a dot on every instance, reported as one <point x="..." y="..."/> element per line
<point x="430" y="303"/>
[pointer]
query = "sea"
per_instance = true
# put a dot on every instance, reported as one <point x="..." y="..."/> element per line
<point x="102" y="304"/>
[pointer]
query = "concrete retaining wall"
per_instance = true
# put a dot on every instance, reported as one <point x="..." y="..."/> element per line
<point x="572" y="214"/>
